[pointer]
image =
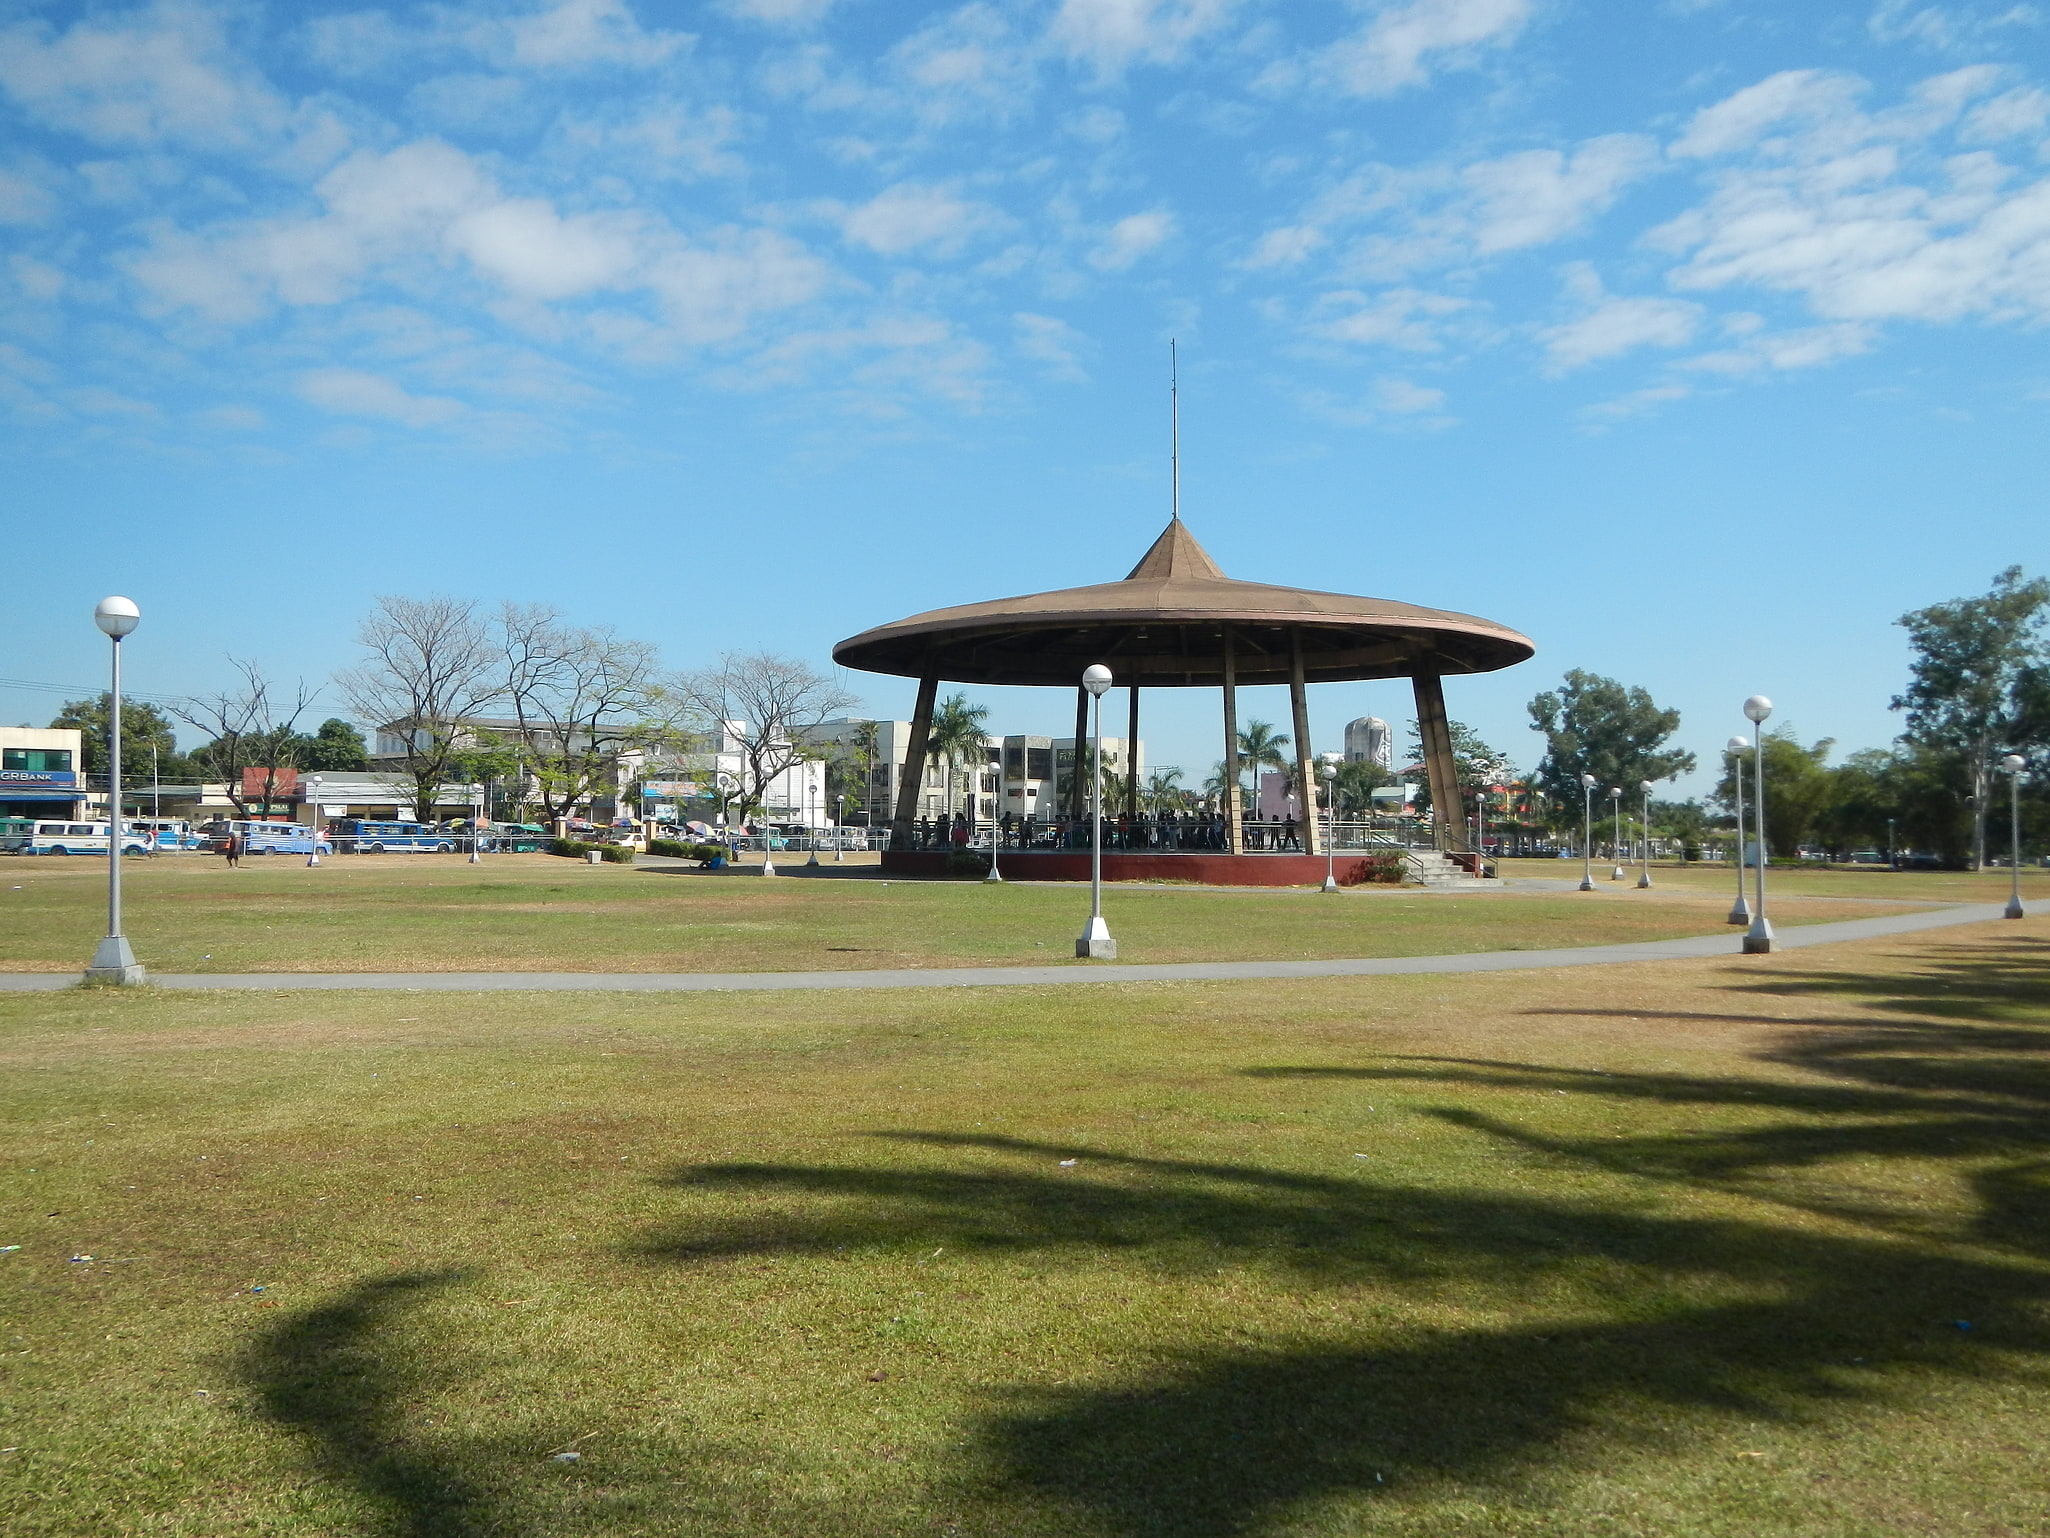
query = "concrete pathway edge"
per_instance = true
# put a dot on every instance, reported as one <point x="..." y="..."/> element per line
<point x="1729" y="944"/>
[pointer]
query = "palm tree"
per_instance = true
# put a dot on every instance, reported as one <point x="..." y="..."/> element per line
<point x="1163" y="785"/>
<point x="956" y="734"/>
<point x="868" y="747"/>
<point x="1264" y="748"/>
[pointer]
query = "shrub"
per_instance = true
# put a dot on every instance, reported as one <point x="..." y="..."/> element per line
<point x="576" y="849"/>
<point x="966" y="862"/>
<point x="1385" y="869"/>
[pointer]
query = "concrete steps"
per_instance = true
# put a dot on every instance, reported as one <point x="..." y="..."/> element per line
<point x="1439" y="873"/>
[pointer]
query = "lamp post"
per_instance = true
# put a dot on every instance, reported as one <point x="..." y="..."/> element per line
<point x="811" y="801"/>
<point x="2014" y="763"/>
<point x="1758" y="939"/>
<point x="1329" y="774"/>
<point x="1893" y="861"/>
<point x="1587" y="783"/>
<point x="1736" y="747"/>
<point x="1644" y="880"/>
<point x="1616" y="809"/>
<point x="840" y="832"/>
<point x="114" y="960"/>
<point x="1096" y="943"/>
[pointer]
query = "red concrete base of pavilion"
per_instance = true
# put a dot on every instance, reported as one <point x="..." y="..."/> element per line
<point x="1200" y="868"/>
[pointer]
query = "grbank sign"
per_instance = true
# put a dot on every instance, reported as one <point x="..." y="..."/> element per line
<point x="38" y="777"/>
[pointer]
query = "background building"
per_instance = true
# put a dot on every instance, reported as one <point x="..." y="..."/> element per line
<point x="1369" y="741"/>
<point x="42" y="772"/>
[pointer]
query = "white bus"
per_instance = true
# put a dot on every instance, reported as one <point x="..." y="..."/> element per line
<point x="67" y="838"/>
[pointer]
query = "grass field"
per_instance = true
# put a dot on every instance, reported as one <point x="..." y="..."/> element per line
<point x="1684" y="1248"/>
<point x="537" y="913"/>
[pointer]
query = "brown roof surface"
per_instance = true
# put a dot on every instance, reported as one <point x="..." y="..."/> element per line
<point x="1164" y="626"/>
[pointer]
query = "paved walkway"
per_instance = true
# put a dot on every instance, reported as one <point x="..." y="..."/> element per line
<point x="1726" y="944"/>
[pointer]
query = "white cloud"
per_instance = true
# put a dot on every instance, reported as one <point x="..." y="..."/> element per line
<point x="1537" y="196"/>
<point x="1609" y="326"/>
<point x="1287" y="246"/>
<point x="1113" y="34"/>
<point x="1946" y="27"/>
<point x="1404" y="318"/>
<point x="411" y="215"/>
<point x="1131" y="238"/>
<point x="1404" y="42"/>
<point x="1806" y="347"/>
<point x="1400" y="397"/>
<point x="1861" y="214"/>
<point x="969" y="63"/>
<point x="577" y="34"/>
<point x="24" y="199"/>
<point x="158" y="76"/>
<point x="1792" y="97"/>
<point x="353" y="393"/>
<point x="2010" y="115"/>
<point x="909" y="217"/>
<point x="780" y="13"/>
<point x="555" y="35"/>
<point x="1054" y="344"/>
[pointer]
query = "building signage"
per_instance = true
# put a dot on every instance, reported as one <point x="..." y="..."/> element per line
<point x="38" y="777"/>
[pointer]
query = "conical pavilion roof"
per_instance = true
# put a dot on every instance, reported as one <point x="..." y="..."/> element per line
<point x="1164" y="626"/>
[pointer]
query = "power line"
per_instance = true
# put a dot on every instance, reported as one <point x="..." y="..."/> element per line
<point x="80" y="691"/>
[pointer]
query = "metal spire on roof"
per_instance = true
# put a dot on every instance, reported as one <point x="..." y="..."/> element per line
<point x="1174" y="453"/>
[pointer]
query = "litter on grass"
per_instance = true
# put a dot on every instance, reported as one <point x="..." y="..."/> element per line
<point x="566" y="1458"/>
<point x="1068" y="1164"/>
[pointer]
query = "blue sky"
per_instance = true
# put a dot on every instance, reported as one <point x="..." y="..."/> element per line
<point x="1697" y="340"/>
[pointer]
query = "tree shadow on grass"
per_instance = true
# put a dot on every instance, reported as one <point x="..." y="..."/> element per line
<point x="334" y="1375"/>
<point x="1656" y="1314"/>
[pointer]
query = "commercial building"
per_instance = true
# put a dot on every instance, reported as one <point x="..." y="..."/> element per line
<point x="1018" y="776"/>
<point x="42" y="772"/>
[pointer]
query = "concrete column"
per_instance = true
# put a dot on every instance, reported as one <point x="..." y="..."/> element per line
<point x="1448" y="812"/>
<point x="1235" y="840"/>
<point x="1305" y="761"/>
<point x="911" y="781"/>
<point x="1131" y="758"/>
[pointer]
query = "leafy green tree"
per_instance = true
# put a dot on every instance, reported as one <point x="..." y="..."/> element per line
<point x="1979" y="684"/>
<point x="1799" y="788"/>
<point x="1595" y="725"/>
<point x="142" y="727"/>
<point x="336" y="748"/>
<point x="1358" y="779"/>
<point x="956" y="739"/>
<point x="1477" y="766"/>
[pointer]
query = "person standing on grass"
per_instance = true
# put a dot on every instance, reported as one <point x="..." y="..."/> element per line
<point x="233" y="848"/>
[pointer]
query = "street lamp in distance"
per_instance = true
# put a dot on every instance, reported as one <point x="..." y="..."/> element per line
<point x="1644" y="880"/>
<point x="1737" y="747"/>
<point x="2014" y="763"/>
<point x="1096" y="943"/>
<point x="1587" y="784"/>
<point x="1329" y="774"/>
<point x="1758" y="939"/>
<point x="114" y="959"/>
<point x="1616" y="806"/>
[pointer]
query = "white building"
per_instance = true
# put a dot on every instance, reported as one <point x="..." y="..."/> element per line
<point x="1019" y="776"/>
<point x="42" y="772"/>
<point x="699" y="783"/>
<point x="1369" y="741"/>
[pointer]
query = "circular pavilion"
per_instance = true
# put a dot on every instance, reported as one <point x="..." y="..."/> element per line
<point x="1179" y="622"/>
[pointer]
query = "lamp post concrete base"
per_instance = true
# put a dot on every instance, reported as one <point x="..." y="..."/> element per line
<point x="994" y="875"/>
<point x="1096" y="943"/>
<point x="1330" y="883"/>
<point x="1759" y="941"/>
<point x="1586" y="884"/>
<point x="1616" y="874"/>
<point x="1740" y="914"/>
<point x="2013" y="909"/>
<point x="1643" y="880"/>
<point x="114" y="962"/>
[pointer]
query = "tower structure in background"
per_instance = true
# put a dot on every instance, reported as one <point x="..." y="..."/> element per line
<point x="1368" y="741"/>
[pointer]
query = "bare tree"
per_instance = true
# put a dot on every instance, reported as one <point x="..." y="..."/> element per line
<point x="253" y="725"/>
<point x="769" y="707"/>
<point x="581" y="696"/>
<point x="430" y="667"/>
